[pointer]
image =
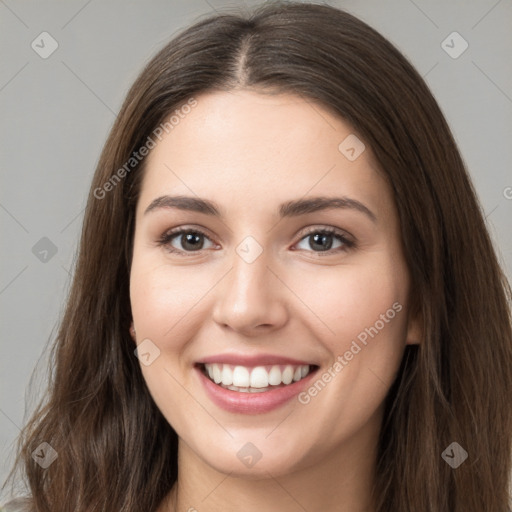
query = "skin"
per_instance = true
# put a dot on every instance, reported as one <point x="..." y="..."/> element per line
<point x="249" y="153"/>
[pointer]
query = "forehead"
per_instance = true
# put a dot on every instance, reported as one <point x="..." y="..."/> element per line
<point x="264" y="147"/>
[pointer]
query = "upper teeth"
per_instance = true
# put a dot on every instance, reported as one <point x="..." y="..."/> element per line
<point x="257" y="377"/>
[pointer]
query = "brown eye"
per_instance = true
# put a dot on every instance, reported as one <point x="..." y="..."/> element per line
<point x="322" y="240"/>
<point x="191" y="241"/>
<point x="184" y="241"/>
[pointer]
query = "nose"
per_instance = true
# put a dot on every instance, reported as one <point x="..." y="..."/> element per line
<point x="250" y="299"/>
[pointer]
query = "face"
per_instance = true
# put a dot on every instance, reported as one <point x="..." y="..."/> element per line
<point x="271" y="322"/>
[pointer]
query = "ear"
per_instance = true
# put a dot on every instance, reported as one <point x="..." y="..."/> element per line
<point x="132" y="332"/>
<point x="414" y="329"/>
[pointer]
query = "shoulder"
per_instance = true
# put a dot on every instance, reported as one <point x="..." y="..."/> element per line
<point x="17" y="505"/>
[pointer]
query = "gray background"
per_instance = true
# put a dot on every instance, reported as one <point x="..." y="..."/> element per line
<point x="56" y="113"/>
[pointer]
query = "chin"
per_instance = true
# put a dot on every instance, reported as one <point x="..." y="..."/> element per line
<point x="252" y="460"/>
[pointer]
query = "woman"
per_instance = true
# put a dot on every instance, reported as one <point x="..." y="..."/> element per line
<point x="341" y="340"/>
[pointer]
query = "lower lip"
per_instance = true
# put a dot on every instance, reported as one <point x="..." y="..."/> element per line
<point x="252" y="403"/>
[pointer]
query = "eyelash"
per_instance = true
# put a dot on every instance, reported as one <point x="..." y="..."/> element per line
<point x="166" y="239"/>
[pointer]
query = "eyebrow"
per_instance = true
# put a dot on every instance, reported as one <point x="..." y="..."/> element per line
<point x="288" y="209"/>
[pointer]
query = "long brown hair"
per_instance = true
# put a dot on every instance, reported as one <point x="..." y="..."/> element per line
<point x="115" y="449"/>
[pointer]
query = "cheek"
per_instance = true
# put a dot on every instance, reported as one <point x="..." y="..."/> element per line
<point x="350" y="299"/>
<point x="162" y="300"/>
<point x="162" y="294"/>
<point x="366" y="317"/>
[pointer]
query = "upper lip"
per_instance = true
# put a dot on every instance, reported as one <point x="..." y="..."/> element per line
<point x="252" y="360"/>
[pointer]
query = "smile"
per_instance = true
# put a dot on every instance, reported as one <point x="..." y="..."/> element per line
<point x="253" y="385"/>
<point x="256" y="379"/>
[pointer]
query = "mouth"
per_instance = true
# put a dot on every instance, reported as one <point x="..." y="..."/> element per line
<point x="253" y="384"/>
<point x="255" y="379"/>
